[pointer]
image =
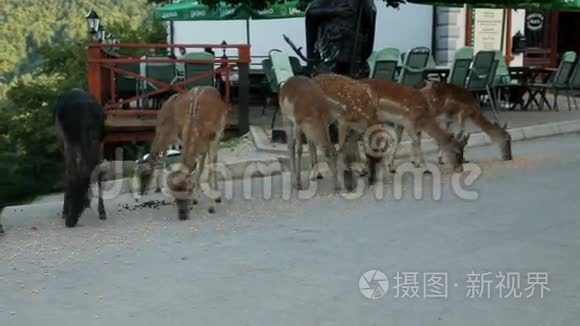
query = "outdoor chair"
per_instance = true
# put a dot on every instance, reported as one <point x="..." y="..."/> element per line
<point x="574" y="84"/>
<point x="160" y="71"/>
<point x="197" y="69"/>
<point x="296" y="65"/>
<point x="481" y="75"/>
<point x="127" y="86"/>
<point x="502" y="82"/>
<point x="271" y="86"/>
<point x="282" y="70"/>
<point x="383" y="64"/>
<point x="559" y="81"/>
<point x="460" y="67"/>
<point x="413" y="67"/>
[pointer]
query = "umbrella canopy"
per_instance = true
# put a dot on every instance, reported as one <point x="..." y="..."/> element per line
<point x="193" y="10"/>
<point x="513" y="4"/>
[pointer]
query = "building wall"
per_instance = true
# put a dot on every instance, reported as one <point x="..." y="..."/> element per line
<point x="450" y="33"/>
<point x="405" y="28"/>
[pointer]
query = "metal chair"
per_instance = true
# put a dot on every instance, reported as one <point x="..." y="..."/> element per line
<point x="414" y="66"/>
<point x="574" y="84"/>
<point x="559" y="81"/>
<point x="481" y="77"/>
<point x="194" y="69"/>
<point x="383" y="64"/>
<point x="460" y="68"/>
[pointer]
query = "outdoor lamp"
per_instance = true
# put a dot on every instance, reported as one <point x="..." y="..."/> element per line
<point x="93" y="21"/>
<point x="224" y="50"/>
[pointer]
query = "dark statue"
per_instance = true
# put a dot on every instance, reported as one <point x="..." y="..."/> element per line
<point x="340" y="34"/>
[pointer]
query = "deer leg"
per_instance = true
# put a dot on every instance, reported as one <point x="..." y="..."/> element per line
<point x="212" y="181"/>
<point x="393" y="150"/>
<point x="418" y="160"/>
<point x="313" y="159"/>
<point x="341" y="161"/>
<point x="292" y="152"/>
<point x="160" y="143"/>
<point x="197" y="178"/>
<point x="212" y="171"/>
<point x="298" y="175"/>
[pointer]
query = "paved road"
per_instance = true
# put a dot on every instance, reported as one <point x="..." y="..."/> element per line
<point x="298" y="262"/>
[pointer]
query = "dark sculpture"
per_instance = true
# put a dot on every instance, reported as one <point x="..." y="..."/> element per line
<point x="340" y="33"/>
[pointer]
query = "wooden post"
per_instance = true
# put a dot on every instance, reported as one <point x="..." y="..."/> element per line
<point x="94" y="73"/>
<point x="244" y="88"/>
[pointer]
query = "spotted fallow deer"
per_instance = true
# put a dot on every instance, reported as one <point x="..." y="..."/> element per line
<point x="196" y="120"/>
<point x="355" y="110"/>
<point x="304" y="105"/>
<point x="452" y="103"/>
<point x="406" y="109"/>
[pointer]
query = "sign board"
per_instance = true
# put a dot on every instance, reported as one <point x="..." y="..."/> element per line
<point x="488" y="29"/>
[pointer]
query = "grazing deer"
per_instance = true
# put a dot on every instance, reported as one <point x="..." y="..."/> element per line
<point x="196" y="120"/>
<point x="456" y="104"/>
<point x="80" y="125"/>
<point x="406" y="109"/>
<point x="355" y="110"/>
<point x="303" y="103"/>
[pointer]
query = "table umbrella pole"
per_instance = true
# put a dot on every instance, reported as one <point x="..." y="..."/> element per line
<point x="247" y="31"/>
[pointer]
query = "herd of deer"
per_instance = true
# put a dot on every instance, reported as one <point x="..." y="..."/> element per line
<point x="195" y="120"/>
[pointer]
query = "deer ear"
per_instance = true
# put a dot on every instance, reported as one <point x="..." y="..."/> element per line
<point x="504" y="126"/>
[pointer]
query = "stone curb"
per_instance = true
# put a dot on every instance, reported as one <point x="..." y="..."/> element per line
<point x="263" y="144"/>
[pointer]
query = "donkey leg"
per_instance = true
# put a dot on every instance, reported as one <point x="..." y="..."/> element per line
<point x="101" y="208"/>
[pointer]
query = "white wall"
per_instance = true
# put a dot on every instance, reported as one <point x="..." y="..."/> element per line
<point x="405" y="28"/>
<point x="518" y="24"/>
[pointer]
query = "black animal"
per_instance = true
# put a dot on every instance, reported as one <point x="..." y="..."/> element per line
<point x="80" y="124"/>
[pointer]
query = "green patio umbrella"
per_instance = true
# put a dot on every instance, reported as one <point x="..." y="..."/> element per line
<point x="195" y="11"/>
<point x="510" y="4"/>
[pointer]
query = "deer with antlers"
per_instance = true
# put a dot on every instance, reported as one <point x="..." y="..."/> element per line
<point x="354" y="107"/>
<point x="304" y="105"/>
<point x="406" y="109"/>
<point x="454" y="104"/>
<point x="196" y="120"/>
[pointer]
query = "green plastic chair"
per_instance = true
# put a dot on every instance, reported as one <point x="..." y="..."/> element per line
<point x="481" y="76"/>
<point x="161" y="71"/>
<point x="281" y="66"/>
<point x="460" y="68"/>
<point x="559" y="81"/>
<point x="127" y="86"/>
<point x="383" y="64"/>
<point x="431" y="62"/>
<point x="296" y="65"/>
<point x="271" y="86"/>
<point x="574" y="84"/>
<point x="194" y="69"/>
<point x="414" y="66"/>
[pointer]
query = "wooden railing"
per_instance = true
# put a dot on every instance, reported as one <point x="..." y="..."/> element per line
<point x="136" y="110"/>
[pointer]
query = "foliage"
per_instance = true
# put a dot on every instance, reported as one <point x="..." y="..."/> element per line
<point x="30" y="158"/>
<point x="261" y="4"/>
<point x="27" y="24"/>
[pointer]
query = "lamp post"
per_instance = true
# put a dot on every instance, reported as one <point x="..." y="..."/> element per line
<point x="93" y="24"/>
